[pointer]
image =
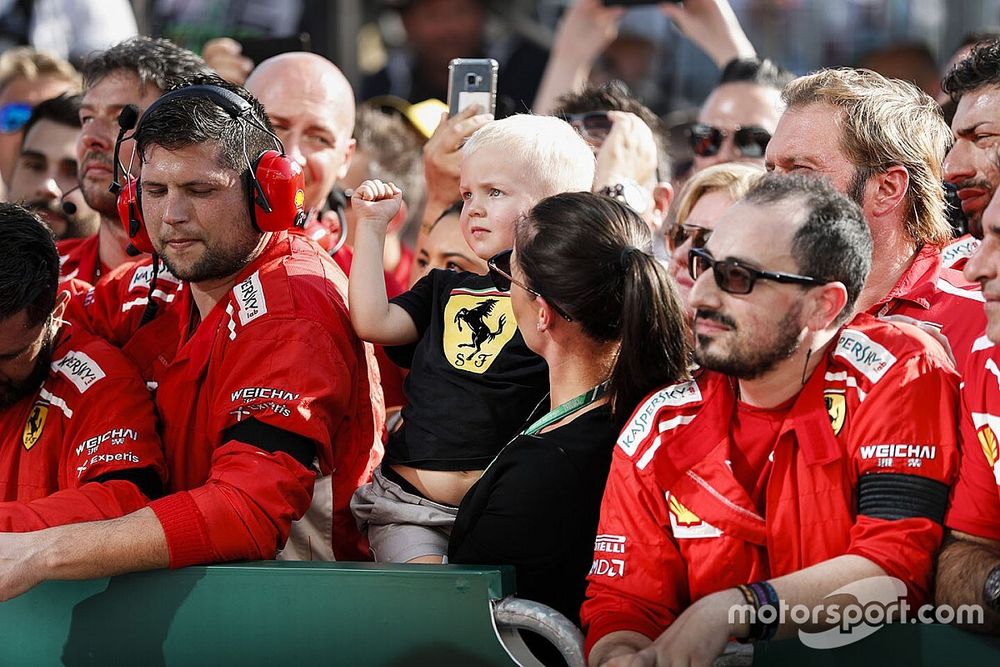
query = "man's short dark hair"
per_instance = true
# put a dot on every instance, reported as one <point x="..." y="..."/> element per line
<point x="157" y="62"/>
<point x="764" y="73"/>
<point x="834" y="242"/>
<point x="980" y="68"/>
<point x="29" y="265"/>
<point x="64" y="110"/>
<point x="186" y="121"/>
<point x="615" y="96"/>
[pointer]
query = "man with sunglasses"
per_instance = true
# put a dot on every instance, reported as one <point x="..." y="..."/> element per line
<point x="26" y="78"/>
<point x="774" y="477"/>
<point x="738" y="118"/>
<point x="881" y="142"/>
<point x="630" y="143"/>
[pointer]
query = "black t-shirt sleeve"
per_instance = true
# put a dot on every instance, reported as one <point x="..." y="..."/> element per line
<point x="418" y="301"/>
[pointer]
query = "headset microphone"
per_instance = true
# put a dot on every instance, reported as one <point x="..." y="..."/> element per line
<point x="68" y="207"/>
<point x="127" y="119"/>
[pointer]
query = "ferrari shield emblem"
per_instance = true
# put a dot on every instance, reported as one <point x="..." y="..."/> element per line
<point x="477" y="325"/>
<point x="988" y="441"/>
<point x="836" y="406"/>
<point x="33" y="427"/>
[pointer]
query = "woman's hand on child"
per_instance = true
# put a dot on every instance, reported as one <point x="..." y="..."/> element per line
<point x="376" y="203"/>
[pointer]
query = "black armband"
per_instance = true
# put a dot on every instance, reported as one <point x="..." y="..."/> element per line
<point x="272" y="439"/>
<point x="894" y="496"/>
<point x="145" y="479"/>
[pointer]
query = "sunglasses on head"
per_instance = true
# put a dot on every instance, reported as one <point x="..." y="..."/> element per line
<point x="678" y="234"/>
<point x="593" y="125"/>
<point x="707" y="140"/>
<point x="13" y="116"/>
<point x="500" y="273"/>
<point x="735" y="278"/>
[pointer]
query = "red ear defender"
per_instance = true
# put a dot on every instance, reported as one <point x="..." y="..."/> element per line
<point x="130" y="214"/>
<point x="279" y="202"/>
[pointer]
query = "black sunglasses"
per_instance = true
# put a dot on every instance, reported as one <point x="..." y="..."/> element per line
<point x="499" y="265"/>
<point x="707" y="140"/>
<point x="593" y="125"/>
<point x="678" y="234"/>
<point x="733" y="277"/>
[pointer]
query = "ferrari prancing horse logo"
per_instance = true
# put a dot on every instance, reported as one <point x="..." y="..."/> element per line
<point x="477" y="325"/>
<point x="836" y="406"/>
<point x="36" y="422"/>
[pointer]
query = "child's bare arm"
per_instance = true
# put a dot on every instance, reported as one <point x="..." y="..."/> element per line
<point x="374" y="318"/>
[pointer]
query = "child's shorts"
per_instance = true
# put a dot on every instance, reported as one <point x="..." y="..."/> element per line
<point x="401" y="525"/>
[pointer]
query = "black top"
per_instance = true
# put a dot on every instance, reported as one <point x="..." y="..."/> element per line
<point x="536" y="507"/>
<point x="473" y="381"/>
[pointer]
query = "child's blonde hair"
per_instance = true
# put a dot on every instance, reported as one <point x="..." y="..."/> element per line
<point x="554" y="158"/>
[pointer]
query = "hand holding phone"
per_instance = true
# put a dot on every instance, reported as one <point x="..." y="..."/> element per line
<point x="472" y="81"/>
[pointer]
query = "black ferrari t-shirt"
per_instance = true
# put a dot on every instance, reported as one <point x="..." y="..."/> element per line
<point x="473" y="381"/>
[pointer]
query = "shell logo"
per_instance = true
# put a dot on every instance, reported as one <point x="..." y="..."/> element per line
<point x="682" y="515"/>
<point x="300" y="198"/>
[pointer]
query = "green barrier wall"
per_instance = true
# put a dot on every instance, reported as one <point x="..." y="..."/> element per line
<point x="916" y="645"/>
<point x="268" y="613"/>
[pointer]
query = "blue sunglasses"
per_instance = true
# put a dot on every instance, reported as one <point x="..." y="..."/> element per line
<point x="13" y="116"/>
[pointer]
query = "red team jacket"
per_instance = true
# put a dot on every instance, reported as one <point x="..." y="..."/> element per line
<point x="932" y="292"/>
<point x="279" y="349"/>
<point x="975" y="503"/>
<point x="61" y="440"/>
<point x="676" y="525"/>
<point x="79" y="259"/>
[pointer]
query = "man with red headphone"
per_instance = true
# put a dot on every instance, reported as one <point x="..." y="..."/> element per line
<point x="263" y="389"/>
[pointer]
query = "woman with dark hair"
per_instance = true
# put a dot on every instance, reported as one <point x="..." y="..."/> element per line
<point x="591" y="299"/>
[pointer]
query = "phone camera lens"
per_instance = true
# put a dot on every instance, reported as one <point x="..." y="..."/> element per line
<point x="471" y="80"/>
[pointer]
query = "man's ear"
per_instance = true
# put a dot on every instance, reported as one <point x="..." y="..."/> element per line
<point x="889" y="189"/>
<point x="663" y="196"/>
<point x="828" y="302"/>
<point x="348" y="156"/>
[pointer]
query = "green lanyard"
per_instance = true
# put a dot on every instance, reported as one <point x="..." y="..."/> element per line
<point x="567" y="408"/>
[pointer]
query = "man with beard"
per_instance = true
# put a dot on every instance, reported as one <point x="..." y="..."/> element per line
<point x="77" y="428"/>
<point x="974" y="85"/>
<point x="136" y="72"/>
<point x="263" y="388"/>
<point x="45" y="176"/>
<point x="774" y="477"/>
<point x="881" y="141"/>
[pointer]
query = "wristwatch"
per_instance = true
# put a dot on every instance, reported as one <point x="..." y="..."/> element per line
<point x="629" y="193"/>
<point x="991" y="589"/>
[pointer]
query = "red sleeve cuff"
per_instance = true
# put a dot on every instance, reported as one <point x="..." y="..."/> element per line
<point x="185" y="529"/>
<point x="603" y="626"/>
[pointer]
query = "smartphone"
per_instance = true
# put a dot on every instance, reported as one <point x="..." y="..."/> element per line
<point x="259" y="49"/>
<point x="472" y="81"/>
<point x="635" y="3"/>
